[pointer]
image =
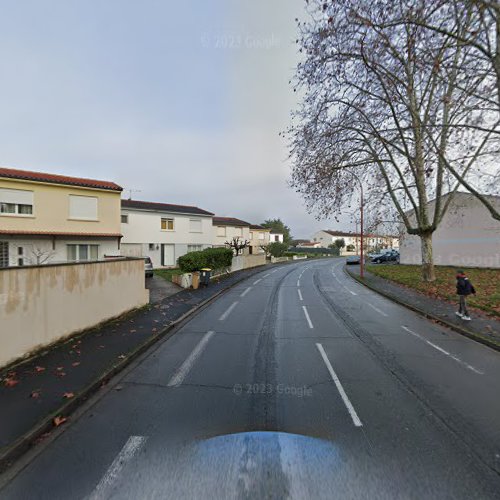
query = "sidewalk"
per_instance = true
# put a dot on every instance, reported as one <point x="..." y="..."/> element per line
<point x="55" y="382"/>
<point x="481" y="328"/>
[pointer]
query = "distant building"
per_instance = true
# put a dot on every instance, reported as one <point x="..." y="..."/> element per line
<point x="466" y="236"/>
<point x="276" y="237"/>
<point x="327" y="237"/>
<point x="259" y="236"/>
<point x="163" y="231"/>
<point x="309" y="244"/>
<point x="47" y="218"/>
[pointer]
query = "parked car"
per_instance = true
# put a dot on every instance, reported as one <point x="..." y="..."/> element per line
<point x="388" y="256"/>
<point x="148" y="267"/>
<point x="353" y="259"/>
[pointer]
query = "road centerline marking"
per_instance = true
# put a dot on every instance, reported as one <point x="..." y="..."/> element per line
<point x="266" y="275"/>
<point x="179" y="376"/>
<point x="309" y="322"/>
<point x="378" y="310"/>
<point x="298" y="282"/>
<point x="257" y="281"/>
<point x="300" y="294"/>
<point x="445" y="352"/>
<point x="131" y="447"/>
<point x="245" y="292"/>
<point x="350" y="408"/>
<point x="227" y="312"/>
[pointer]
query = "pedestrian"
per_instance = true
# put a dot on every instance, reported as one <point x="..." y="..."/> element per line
<point x="464" y="288"/>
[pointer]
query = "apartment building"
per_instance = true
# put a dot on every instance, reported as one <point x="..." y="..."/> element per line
<point x="48" y="218"/>
<point x="163" y="231"/>
<point x="353" y="240"/>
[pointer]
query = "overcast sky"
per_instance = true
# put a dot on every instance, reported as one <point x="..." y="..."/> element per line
<point x="182" y="100"/>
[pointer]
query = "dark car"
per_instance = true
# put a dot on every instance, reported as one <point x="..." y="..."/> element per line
<point x="388" y="256"/>
<point x="353" y="259"/>
<point x="148" y="267"/>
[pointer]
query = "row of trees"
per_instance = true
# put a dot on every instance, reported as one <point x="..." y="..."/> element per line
<point x="403" y="95"/>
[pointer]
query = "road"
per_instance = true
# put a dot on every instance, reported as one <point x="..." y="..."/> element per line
<point x="297" y="383"/>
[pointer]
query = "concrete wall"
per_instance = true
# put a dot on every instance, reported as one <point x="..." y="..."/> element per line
<point x="51" y="209"/>
<point x="246" y="261"/>
<point x="467" y="237"/>
<point x="40" y="305"/>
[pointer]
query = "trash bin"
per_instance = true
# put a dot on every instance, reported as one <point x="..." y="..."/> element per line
<point x="196" y="280"/>
<point x="205" y="274"/>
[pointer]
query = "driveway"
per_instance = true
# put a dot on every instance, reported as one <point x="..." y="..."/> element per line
<point x="160" y="288"/>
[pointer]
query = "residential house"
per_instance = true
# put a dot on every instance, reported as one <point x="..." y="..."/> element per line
<point x="309" y="244"/>
<point x="466" y="236"/>
<point x="276" y="237"/>
<point x="227" y="228"/>
<point x="163" y="231"/>
<point x="259" y="236"/>
<point x="326" y="237"/>
<point x="47" y="218"/>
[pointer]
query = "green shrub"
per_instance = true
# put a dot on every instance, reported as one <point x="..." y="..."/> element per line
<point x="214" y="258"/>
<point x="277" y="249"/>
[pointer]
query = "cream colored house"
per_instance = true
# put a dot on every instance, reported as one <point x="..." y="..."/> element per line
<point x="48" y="218"/>
<point x="162" y="231"/>
<point x="353" y="240"/>
<point x="259" y="236"/>
<point x="226" y="228"/>
<point x="467" y="236"/>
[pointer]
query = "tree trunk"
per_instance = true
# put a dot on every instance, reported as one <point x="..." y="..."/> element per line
<point x="427" y="258"/>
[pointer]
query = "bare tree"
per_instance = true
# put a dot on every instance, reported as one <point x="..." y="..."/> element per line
<point x="40" y="256"/>
<point x="374" y="105"/>
<point x="265" y="249"/>
<point x="237" y="244"/>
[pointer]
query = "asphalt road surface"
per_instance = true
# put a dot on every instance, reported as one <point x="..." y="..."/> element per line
<point x="297" y="383"/>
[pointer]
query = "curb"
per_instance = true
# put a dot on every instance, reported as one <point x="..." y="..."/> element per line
<point x="463" y="331"/>
<point x="26" y="441"/>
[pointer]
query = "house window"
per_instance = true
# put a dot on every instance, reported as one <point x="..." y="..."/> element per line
<point x="152" y="246"/>
<point x="124" y="219"/>
<point x="221" y="230"/>
<point x="82" y="252"/>
<point x="82" y="207"/>
<point x="167" y="224"/>
<point x="251" y="236"/>
<point x="276" y="237"/>
<point x="4" y="254"/>
<point x="239" y="231"/>
<point x="195" y="225"/>
<point x="195" y="248"/>
<point x="20" y="262"/>
<point x="16" y="202"/>
<point x="261" y="236"/>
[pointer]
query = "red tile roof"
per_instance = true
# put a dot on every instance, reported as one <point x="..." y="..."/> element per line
<point x="27" y="175"/>
<point x="259" y="228"/>
<point x="164" y="207"/>
<point x="229" y="221"/>
<point x="357" y="235"/>
<point x="58" y="233"/>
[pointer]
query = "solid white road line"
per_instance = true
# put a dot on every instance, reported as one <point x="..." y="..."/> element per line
<point x="179" y="376"/>
<point x="298" y="282"/>
<point x="131" y="447"/>
<point x="257" y="281"/>
<point x="266" y="275"/>
<point x="304" y="308"/>
<point x="227" y="312"/>
<point x="245" y="292"/>
<point x="300" y="294"/>
<point x="440" y="349"/>
<point x="378" y="310"/>
<point x="355" y="419"/>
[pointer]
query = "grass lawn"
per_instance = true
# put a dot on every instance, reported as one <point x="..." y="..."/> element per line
<point x="485" y="281"/>
<point x="167" y="273"/>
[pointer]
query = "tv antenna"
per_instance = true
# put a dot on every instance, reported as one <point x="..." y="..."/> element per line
<point x="130" y="191"/>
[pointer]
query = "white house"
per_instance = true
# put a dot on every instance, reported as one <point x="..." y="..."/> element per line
<point x="353" y="240"/>
<point x="309" y="244"/>
<point x="48" y="218"/>
<point x="227" y="228"/>
<point x="467" y="235"/>
<point x="163" y="231"/>
<point x="276" y="237"/>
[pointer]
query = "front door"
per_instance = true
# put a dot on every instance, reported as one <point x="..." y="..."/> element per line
<point x="167" y="255"/>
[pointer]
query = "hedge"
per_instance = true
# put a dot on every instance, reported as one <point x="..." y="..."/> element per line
<point x="214" y="258"/>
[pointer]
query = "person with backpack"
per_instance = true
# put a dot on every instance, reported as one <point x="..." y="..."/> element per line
<point x="464" y="288"/>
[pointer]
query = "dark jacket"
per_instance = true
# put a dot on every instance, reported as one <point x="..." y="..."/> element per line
<point x="464" y="286"/>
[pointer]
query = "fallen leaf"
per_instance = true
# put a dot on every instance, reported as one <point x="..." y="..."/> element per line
<point x="60" y="368"/>
<point x="118" y="387"/>
<point x="154" y="329"/>
<point x="101" y="347"/>
<point x="10" y="382"/>
<point x="68" y="395"/>
<point x="61" y="374"/>
<point x="76" y="363"/>
<point x="35" y="394"/>
<point x="39" y="369"/>
<point x="133" y="331"/>
<point x="59" y="420"/>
